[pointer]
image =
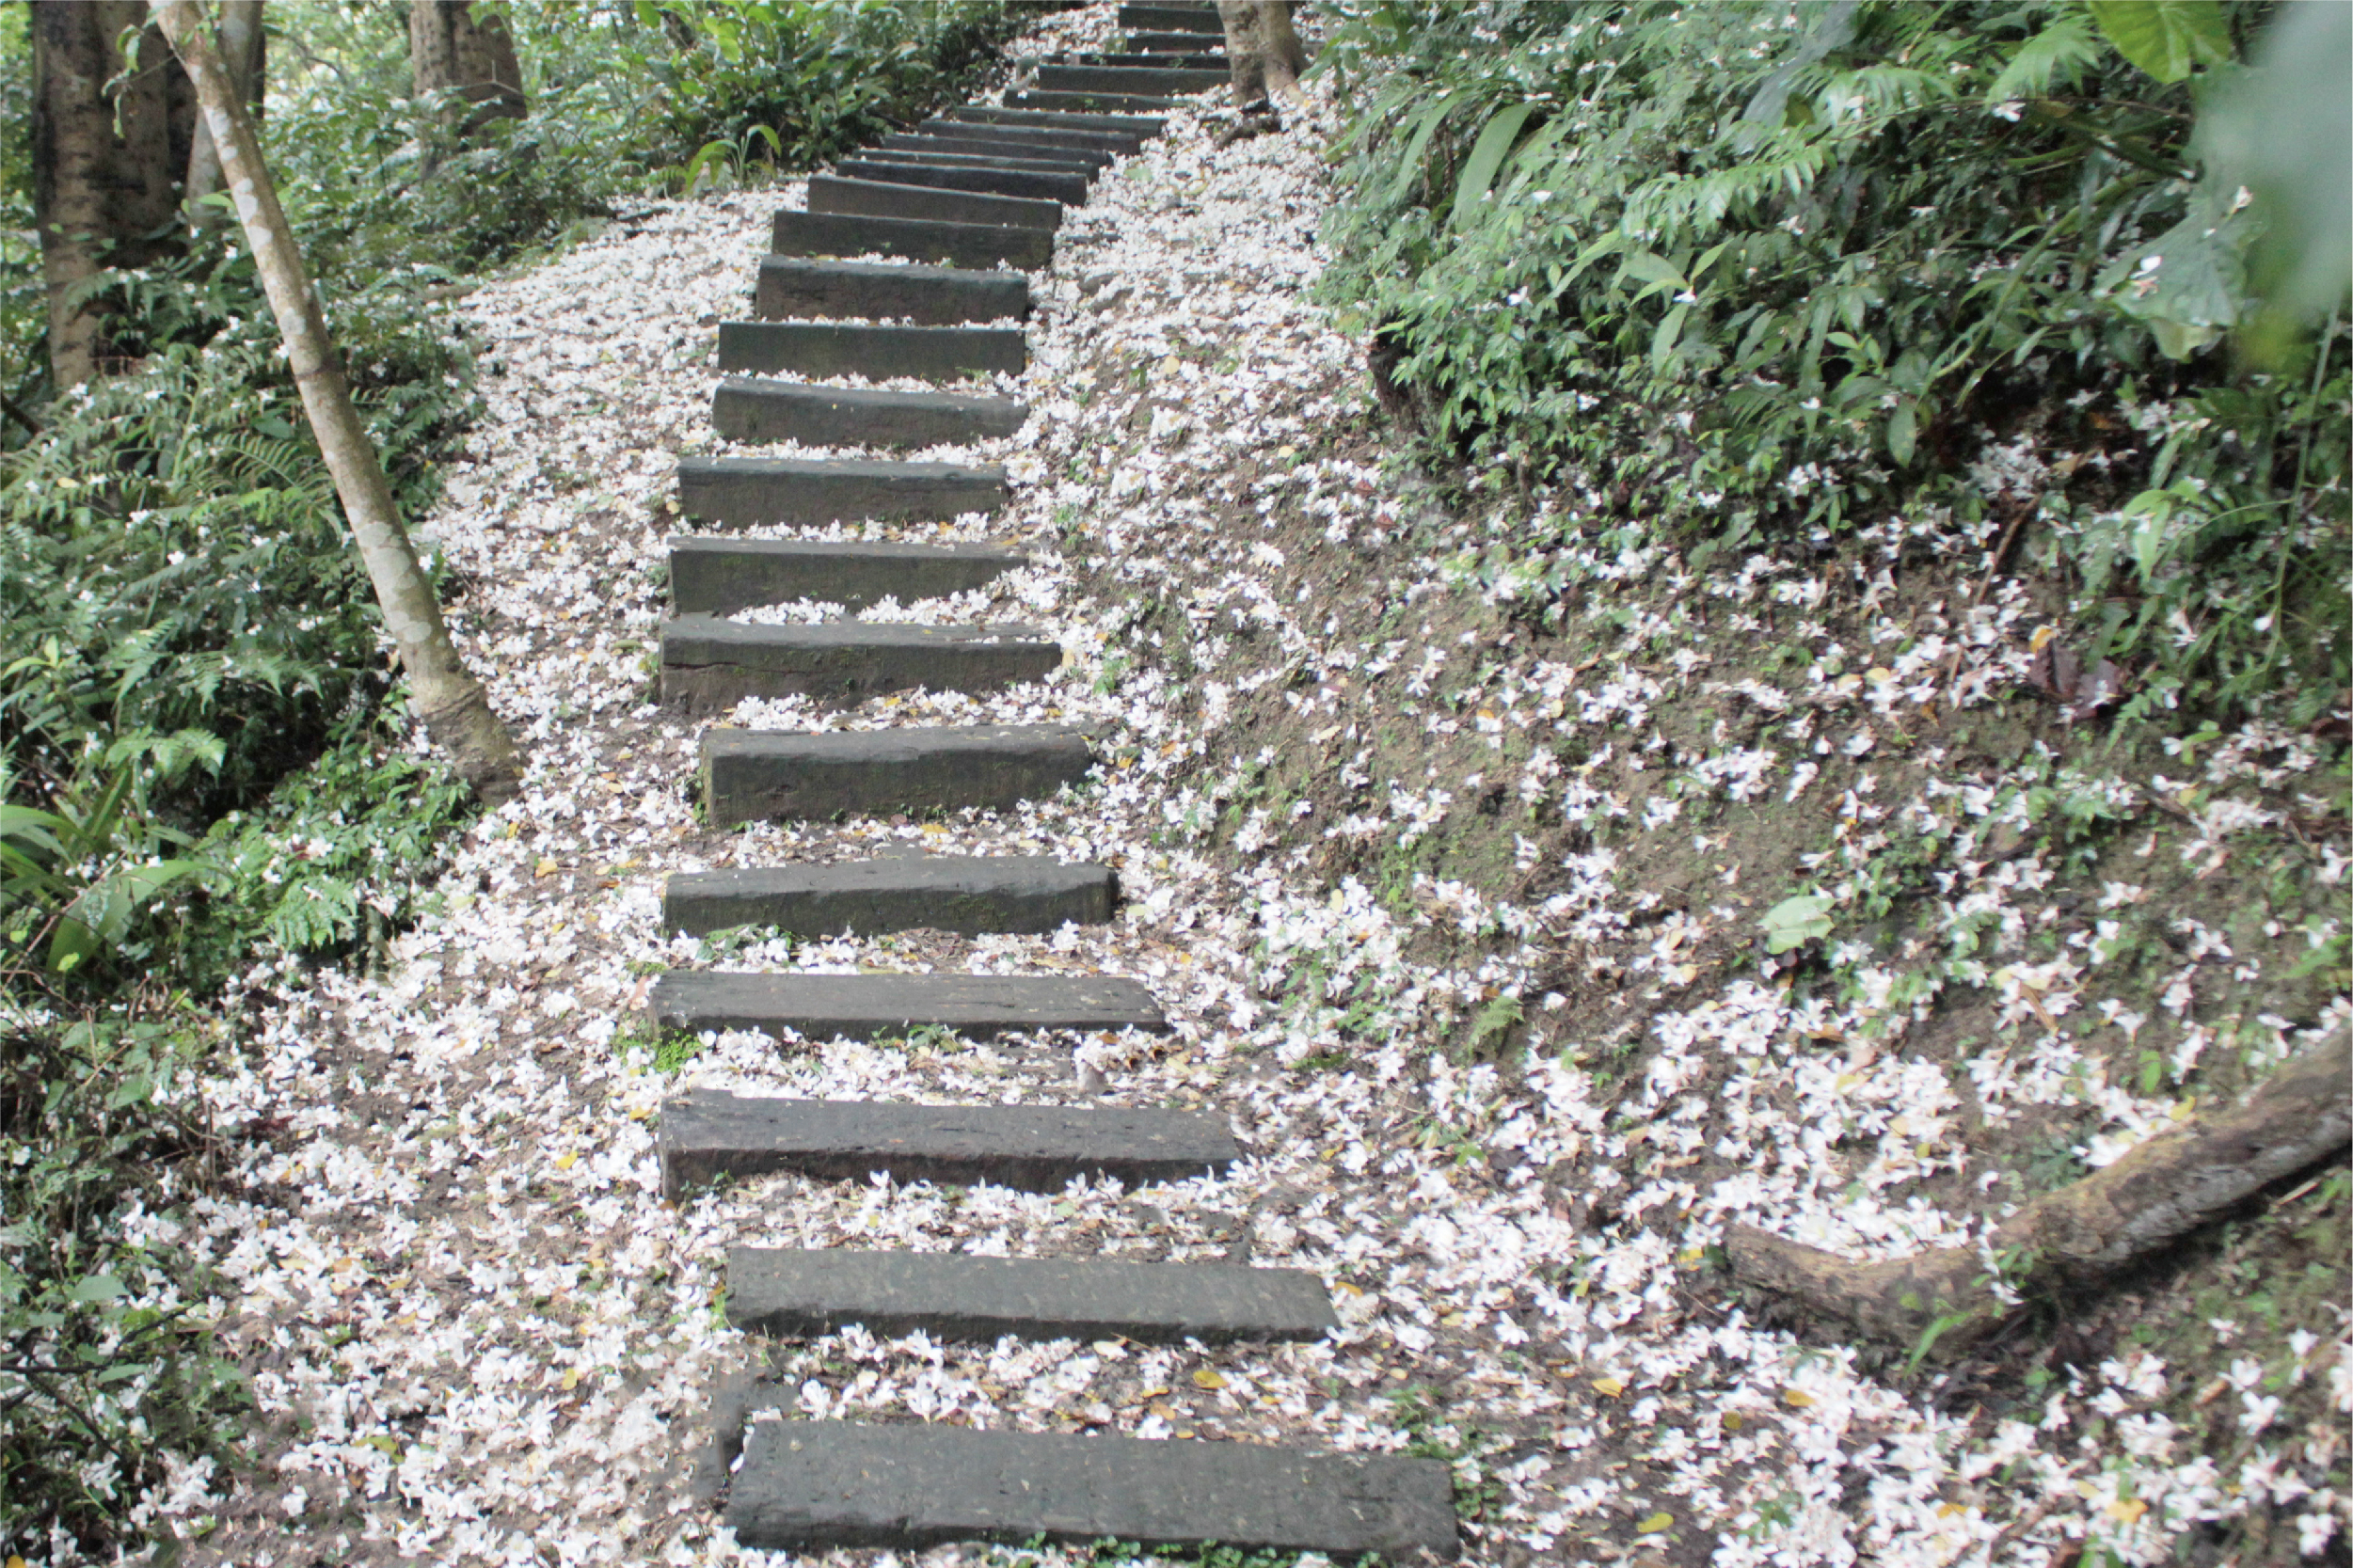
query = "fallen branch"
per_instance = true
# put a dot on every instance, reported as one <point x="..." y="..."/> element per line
<point x="2084" y="1232"/>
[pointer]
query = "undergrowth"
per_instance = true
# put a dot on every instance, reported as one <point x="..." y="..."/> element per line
<point x="1727" y="271"/>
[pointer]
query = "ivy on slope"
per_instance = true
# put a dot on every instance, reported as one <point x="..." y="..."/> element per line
<point x="1726" y="270"/>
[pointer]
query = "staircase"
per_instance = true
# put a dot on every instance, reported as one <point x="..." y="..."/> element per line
<point x="963" y="205"/>
<point x="955" y="202"/>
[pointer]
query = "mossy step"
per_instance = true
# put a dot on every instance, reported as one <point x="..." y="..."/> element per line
<point x="753" y="490"/>
<point x="710" y="662"/>
<point x="899" y="199"/>
<point x="1030" y="184"/>
<point x="715" y="575"/>
<point x="952" y="1296"/>
<point x="791" y="288"/>
<point x="767" y="775"/>
<point x="910" y="1486"/>
<point x="875" y="353"/>
<point x="749" y="408"/>
<point x="878" y="1007"/>
<point x="973" y="894"/>
<point x="977" y="246"/>
<point x="706" y="1135"/>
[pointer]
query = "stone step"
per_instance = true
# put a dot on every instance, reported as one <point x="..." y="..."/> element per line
<point x="1142" y="126"/>
<point x="745" y="408"/>
<point x="710" y="662"/>
<point x="875" y="353"/>
<point x="801" y="1293"/>
<point x="763" y="775"/>
<point x="794" y="287"/>
<point x="1183" y="52"/>
<point x="954" y="244"/>
<point x="918" y="145"/>
<point x="898" y="200"/>
<point x="910" y="1486"/>
<point x="971" y="895"/>
<point x="1109" y="102"/>
<point x="1136" y="81"/>
<point x="930" y="153"/>
<point x="719" y="575"/>
<point x="878" y="1007"/>
<point x="1038" y="186"/>
<point x="751" y="490"/>
<point x="1170" y="19"/>
<point x="1117" y="143"/>
<point x="705" y="1136"/>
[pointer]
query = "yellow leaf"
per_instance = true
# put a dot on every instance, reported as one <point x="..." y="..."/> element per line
<point x="2041" y="638"/>
<point x="1207" y="1379"/>
<point x="567" y="1160"/>
<point x="17" y="1561"/>
<point x="547" y="867"/>
<point x="935" y="828"/>
<point x="1948" y="1511"/>
<point x="1608" y="1388"/>
<point x="1796" y="1398"/>
<point x="2125" y="1511"/>
<point x="1732" y="1422"/>
<point x="1690" y="1255"/>
<point x="1653" y="1525"/>
<point x="571" y="1378"/>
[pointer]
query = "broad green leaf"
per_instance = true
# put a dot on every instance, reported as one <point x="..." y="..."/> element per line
<point x="1486" y="160"/>
<point x="1796" y="921"/>
<point x="1903" y="431"/>
<point x="2167" y="38"/>
<point x="97" y="1287"/>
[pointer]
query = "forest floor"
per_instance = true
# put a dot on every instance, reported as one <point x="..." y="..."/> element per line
<point x="1458" y="917"/>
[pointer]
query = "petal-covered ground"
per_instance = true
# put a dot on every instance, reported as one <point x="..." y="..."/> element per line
<point x="479" y="1334"/>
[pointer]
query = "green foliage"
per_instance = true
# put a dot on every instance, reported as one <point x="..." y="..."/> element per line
<point x="102" y="1369"/>
<point x="1731" y="270"/>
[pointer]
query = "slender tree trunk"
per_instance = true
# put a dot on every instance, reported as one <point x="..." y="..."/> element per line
<point x="241" y="49"/>
<point x="466" y="58"/>
<point x="1263" y="49"/>
<point x="457" y="712"/>
<point x="103" y="163"/>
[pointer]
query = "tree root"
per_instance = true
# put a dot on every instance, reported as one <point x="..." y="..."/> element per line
<point x="1944" y="1299"/>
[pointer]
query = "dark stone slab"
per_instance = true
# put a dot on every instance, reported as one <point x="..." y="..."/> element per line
<point x="793" y="490"/>
<point x="1037" y="184"/>
<point x="744" y="409"/>
<point x="952" y="245"/>
<point x="705" y="1136"/>
<point x="1119" y="143"/>
<point x="951" y="1295"/>
<point x="875" y="353"/>
<point x="877" y="1006"/>
<point x="1141" y="126"/>
<point x="794" y="286"/>
<point x="840" y="1483"/>
<point x="1177" y="43"/>
<point x="1170" y="19"/>
<point x="977" y="155"/>
<point x="896" y="198"/>
<point x="710" y="663"/>
<point x="1109" y="102"/>
<point x="755" y="775"/>
<point x="974" y="895"/>
<point x="719" y="575"/>
<point x="1133" y="79"/>
<point x="918" y="145"/>
<point x="1183" y="52"/>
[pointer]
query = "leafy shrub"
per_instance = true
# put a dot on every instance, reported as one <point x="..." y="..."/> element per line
<point x="1727" y="269"/>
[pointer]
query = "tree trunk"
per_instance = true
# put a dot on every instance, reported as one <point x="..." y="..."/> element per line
<point x="466" y="61"/>
<point x="451" y="702"/>
<point x="2086" y="1231"/>
<point x="1263" y="50"/>
<point x="242" y="48"/>
<point x="103" y="163"/>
